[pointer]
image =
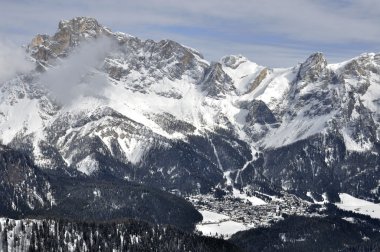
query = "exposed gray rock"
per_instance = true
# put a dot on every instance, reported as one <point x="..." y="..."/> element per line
<point x="217" y="83"/>
<point x="312" y="68"/>
<point x="259" y="113"/>
<point x="70" y="33"/>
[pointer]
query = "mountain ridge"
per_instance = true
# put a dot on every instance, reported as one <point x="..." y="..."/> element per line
<point x="166" y="116"/>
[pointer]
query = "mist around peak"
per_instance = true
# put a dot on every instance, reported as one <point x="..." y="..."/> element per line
<point x="78" y="75"/>
<point x="13" y="61"/>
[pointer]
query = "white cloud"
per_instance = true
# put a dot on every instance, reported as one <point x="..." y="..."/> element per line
<point x="12" y="61"/>
<point x="296" y="25"/>
<point x="76" y="75"/>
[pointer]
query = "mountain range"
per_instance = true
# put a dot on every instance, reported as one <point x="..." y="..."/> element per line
<point x="112" y="124"/>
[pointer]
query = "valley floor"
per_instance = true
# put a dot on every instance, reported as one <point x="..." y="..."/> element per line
<point x="236" y="212"/>
<point x="223" y="217"/>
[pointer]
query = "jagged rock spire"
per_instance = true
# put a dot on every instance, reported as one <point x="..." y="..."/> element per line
<point x="69" y="34"/>
<point x="313" y="67"/>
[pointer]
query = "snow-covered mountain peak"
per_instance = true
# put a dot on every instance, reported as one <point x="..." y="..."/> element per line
<point x="82" y="25"/>
<point x="70" y="34"/>
<point x="317" y="58"/>
<point x="233" y="61"/>
<point x="357" y="66"/>
<point x="313" y="67"/>
<point x="246" y="75"/>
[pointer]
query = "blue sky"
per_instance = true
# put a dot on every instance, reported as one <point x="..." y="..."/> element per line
<point x="270" y="32"/>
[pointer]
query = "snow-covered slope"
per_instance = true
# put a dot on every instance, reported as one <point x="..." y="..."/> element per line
<point x="351" y="203"/>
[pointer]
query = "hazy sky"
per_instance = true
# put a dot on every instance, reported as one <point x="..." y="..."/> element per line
<point x="269" y="32"/>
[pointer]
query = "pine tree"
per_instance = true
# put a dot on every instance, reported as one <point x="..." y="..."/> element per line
<point x="32" y="246"/>
<point x="5" y="240"/>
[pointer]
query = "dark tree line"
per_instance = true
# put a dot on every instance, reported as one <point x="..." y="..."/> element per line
<point x="300" y="233"/>
<point x="128" y="235"/>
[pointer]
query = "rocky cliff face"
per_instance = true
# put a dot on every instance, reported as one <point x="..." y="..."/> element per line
<point x="70" y="34"/>
<point x="166" y="117"/>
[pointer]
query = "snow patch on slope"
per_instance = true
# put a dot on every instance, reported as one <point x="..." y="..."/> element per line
<point x="254" y="200"/>
<point x="273" y="89"/>
<point x="215" y="224"/>
<point x="133" y="149"/>
<point x="242" y="73"/>
<point x="88" y="165"/>
<point x="360" y="206"/>
<point x="22" y="116"/>
<point x="352" y="145"/>
<point x="296" y="129"/>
